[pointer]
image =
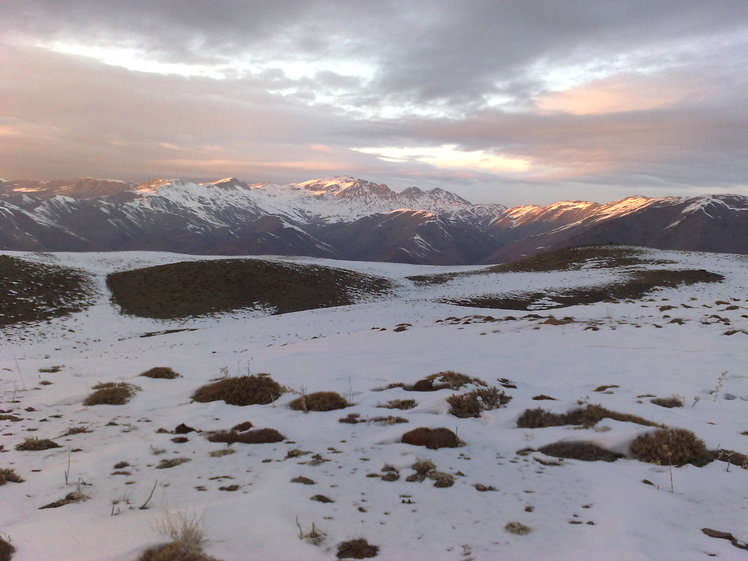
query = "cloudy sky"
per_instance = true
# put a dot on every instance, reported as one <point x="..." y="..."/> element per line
<point x="516" y="101"/>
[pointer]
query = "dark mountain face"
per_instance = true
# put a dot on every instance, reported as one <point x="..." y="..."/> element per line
<point x="346" y="218"/>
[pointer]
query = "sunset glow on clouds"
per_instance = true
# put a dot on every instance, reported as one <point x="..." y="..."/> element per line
<point x="512" y="102"/>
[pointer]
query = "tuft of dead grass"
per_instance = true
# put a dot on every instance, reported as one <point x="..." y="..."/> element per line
<point x="174" y="551"/>
<point x="319" y="401"/>
<point x="36" y="444"/>
<point x="473" y="403"/>
<point x="7" y="475"/>
<point x="258" y="389"/>
<point x="671" y="447"/>
<point x="111" y="393"/>
<point x="357" y="549"/>
<point x="431" y="438"/>
<point x="161" y="372"/>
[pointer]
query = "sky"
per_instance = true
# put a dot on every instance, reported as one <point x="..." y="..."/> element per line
<point x="514" y="102"/>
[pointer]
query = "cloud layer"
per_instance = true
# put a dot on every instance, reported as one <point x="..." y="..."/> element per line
<point x="509" y="101"/>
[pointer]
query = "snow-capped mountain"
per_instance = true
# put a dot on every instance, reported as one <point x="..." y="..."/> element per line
<point x="343" y="217"/>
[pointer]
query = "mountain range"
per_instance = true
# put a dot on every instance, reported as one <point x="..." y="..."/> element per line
<point x="346" y="218"/>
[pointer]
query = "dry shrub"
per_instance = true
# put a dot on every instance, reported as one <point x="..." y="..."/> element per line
<point x="668" y="402"/>
<point x="111" y="393"/>
<point x="258" y="436"/>
<point x="444" y="380"/>
<point x="431" y="438"/>
<point x="258" y="389"/>
<point x="36" y="444"/>
<point x="319" y="401"/>
<point x="585" y="451"/>
<point x="7" y="475"/>
<point x="163" y="372"/>
<point x="671" y="447"/>
<point x="241" y="427"/>
<point x="517" y="528"/>
<point x="401" y="404"/>
<point x="6" y="550"/>
<point x="188" y="539"/>
<point x="473" y="403"/>
<point x="70" y="498"/>
<point x="172" y="462"/>
<point x="588" y="416"/>
<point x="357" y="549"/>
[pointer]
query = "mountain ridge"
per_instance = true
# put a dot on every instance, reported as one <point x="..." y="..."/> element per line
<point x="346" y="218"/>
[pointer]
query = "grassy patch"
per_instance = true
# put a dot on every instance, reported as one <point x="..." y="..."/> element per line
<point x="401" y="404"/>
<point x="633" y="286"/>
<point x="668" y="402"/>
<point x="588" y="416"/>
<point x="37" y="444"/>
<point x="257" y="436"/>
<point x="31" y="292"/>
<point x="111" y="393"/>
<point x="574" y="258"/>
<point x="175" y="551"/>
<point x="585" y="451"/>
<point x="195" y="288"/>
<point x="446" y="380"/>
<point x="258" y="389"/>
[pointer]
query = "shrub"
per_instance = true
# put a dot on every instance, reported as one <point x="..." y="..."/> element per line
<point x="187" y="542"/>
<point x="442" y="479"/>
<point x="670" y="447"/>
<point x="160" y="372"/>
<point x="111" y="393"/>
<point x="517" y="528"/>
<point x="668" y="402"/>
<point x="399" y="404"/>
<point x="7" y="475"/>
<point x="431" y="438"/>
<point x="6" y="550"/>
<point x="585" y="451"/>
<point x="241" y="427"/>
<point x="473" y="403"/>
<point x="175" y="551"/>
<point x="537" y="418"/>
<point x="258" y="389"/>
<point x="444" y="380"/>
<point x="35" y="444"/>
<point x="357" y="549"/>
<point x="258" y="436"/>
<point x="319" y="401"/>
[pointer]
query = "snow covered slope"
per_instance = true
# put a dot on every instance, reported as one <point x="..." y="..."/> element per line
<point x="688" y="342"/>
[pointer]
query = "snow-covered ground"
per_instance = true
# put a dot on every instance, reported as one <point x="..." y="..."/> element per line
<point x="576" y="510"/>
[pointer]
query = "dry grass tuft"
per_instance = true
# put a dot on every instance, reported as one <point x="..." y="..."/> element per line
<point x="671" y="447"/>
<point x="473" y="403"/>
<point x="6" y="549"/>
<point x="585" y="451"/>
<point x="259" y="389"/>
<point x="188" y="539"/>
<point x="258" y="436"/>
<point x="7" y="475"/>
<point x="36" y="444"/>
<point x="163" y="372"/>
<point x="357" y="549"/>
<point x="431" y="438"/>
<point x="319" y="401"/>
<point x="517" y="528"/>
<point x="668" y="402"/>
<point x="111" y="393"/>
<point x="171" y="462"/>
<point x="401" y="404"/>
<point x="442" y="478"/>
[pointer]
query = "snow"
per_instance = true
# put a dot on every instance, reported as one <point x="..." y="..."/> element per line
<point x="344" y="349"/>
